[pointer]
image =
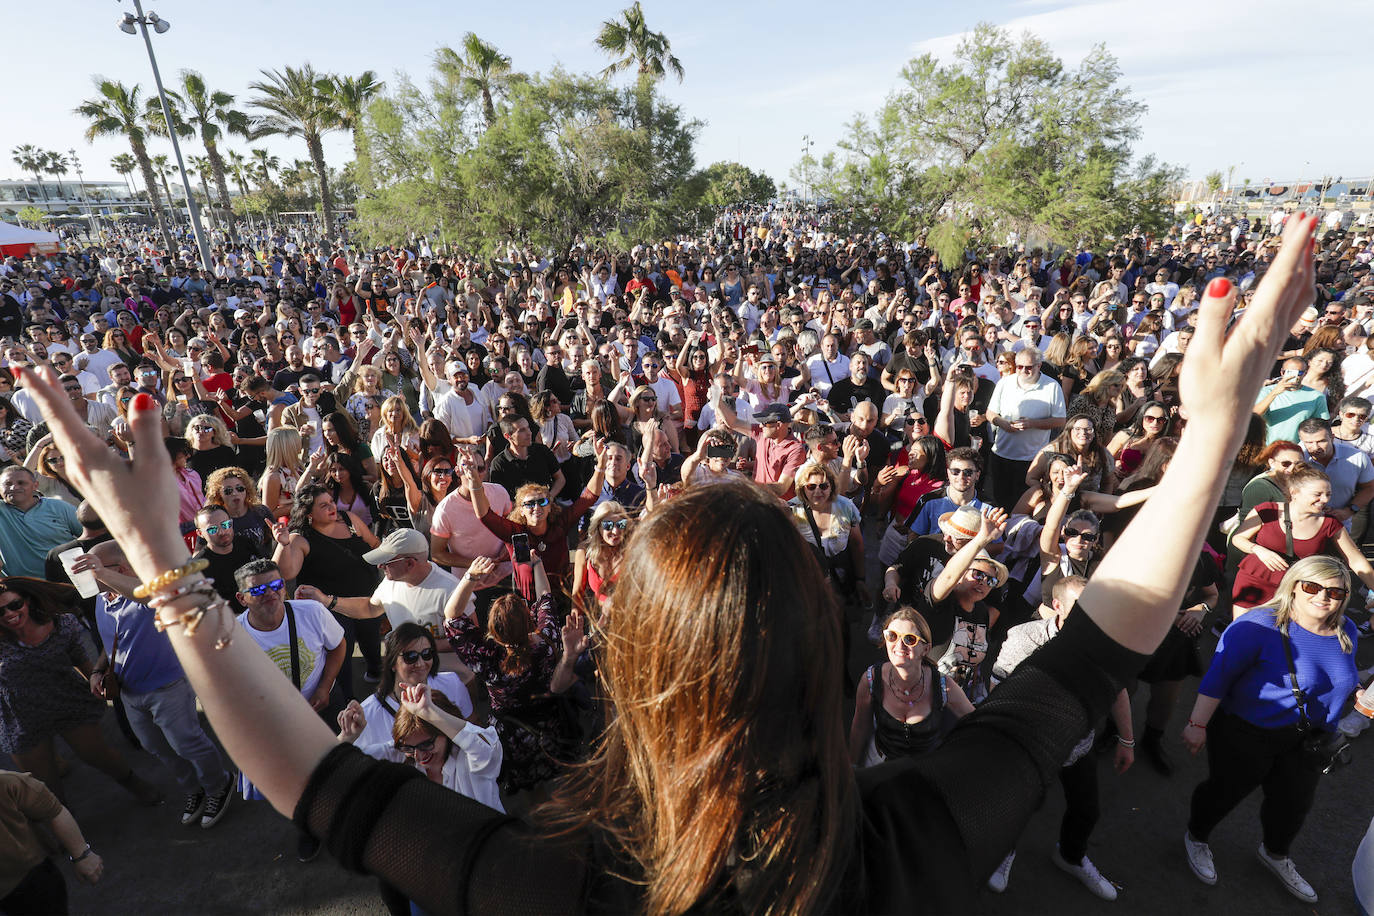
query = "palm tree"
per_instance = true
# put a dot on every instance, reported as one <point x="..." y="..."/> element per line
<point x="208" y="113"/>
<point x="298" y="103"/>
<point x="32" y="160"/>
<point x="125" y="165"/>
<point x="264" y="164"/>
<point x="163" y="167"/>
<point x="115" y="111"/>
<point x="54" y="163"/>
<point x="238" y="167"/>
<point x="628" y="41"/>
<point x="352" y="94"/>
<point x="481" y="70"/>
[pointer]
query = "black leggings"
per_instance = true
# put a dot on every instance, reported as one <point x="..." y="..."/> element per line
<point x="1241" y="758"/>
<point x="1079" y="780"/>
<point x="43" y="890"/>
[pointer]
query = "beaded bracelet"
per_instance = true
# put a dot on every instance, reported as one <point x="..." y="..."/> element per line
<point x="192" y="619"/>
<point x="160" y="582"/>
<point x="192" y="583"/>
<point x="1197" y="725"/>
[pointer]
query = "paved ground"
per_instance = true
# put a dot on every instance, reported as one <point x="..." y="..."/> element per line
<point x="247" y="863"/>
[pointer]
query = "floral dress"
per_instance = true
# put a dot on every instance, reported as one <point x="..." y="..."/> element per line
<point x="14" y="438"/>
<point x="528" y="717"/>
<point x="359" y="407"/>
<point x="41" y="692"/>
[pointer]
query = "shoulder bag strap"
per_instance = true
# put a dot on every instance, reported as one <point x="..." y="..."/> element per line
<point x="1304" y="723"/>
<point x="295" y="650"/>
<point x="1291" y="556"/>
<point x="387" y="704"/>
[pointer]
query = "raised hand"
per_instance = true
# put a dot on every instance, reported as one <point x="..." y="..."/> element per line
<point x="352" y="721"/>
<point x="415" y="699"/>
<point x="994" y="522"/>
<point x="574" y="635"/>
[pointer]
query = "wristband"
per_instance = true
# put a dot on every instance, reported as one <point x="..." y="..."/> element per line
<point x="1193" y="724"/>
<point x="84" y="853"/>
<point x="1124" y="743"/>
<point x="333" y="602"/>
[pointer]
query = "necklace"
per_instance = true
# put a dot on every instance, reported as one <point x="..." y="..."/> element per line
<point x="905" y="696"/>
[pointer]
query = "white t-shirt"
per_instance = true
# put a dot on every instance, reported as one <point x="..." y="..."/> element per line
<point x="825" y="373"/>
<point x="668" y="396"/>
<point x="317" y="632"/>
<point x="423" y="603"/>
<point x="376" y="740"/>
<point x="98" y="363"/>
<point x="461" y="419"/>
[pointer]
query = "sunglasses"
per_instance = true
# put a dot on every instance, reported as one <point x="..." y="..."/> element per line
<point x="910" y="640"/>
<point x="442" y="472"/>
<point x="977" y="575"/>
<point x="1087" y="537"/>
<point x="239" y="489"/>
<point x="225" y="525"/>
<point x="536" y="503"/>
<point x="615" y="524"/>
<point x="917" y="421"/>
<point x="1351" y="415"/>
<point x="1024" y="368"/>
<point x="1153" y="418"/>
<point x="963" y="472"/>
<point x="14" y="605"/>
<point x="411" y="656"/>
<point x="819" y="485"/>
<point x="410" y="750"/>
<point x="1333" y="592"/>
<point x="257" y="591"/>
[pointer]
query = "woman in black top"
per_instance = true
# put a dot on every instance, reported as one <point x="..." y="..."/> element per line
<point x="778" y="820"/>
<point x="324" y="547"/>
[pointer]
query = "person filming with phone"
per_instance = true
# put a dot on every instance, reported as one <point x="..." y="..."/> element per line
<point x="1285" y="402"/>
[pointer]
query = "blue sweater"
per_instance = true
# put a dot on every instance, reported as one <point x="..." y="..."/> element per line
<point x="1249" y="672"/>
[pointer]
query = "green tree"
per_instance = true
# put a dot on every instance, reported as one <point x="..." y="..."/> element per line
<point x="31" y="216"/>
<point x="237" y="166"/>
<point x="1010" y="140"/>
<point x="115" y="111"/>
<point x="264" y="164"/>
<point x="298" y="102"/>
<point x="209" y="113"/>
<point x="125" y="165"/>
<point x="352" y="95"/>
<point x="730" y="183"/>
<point x="32" y="160"/>
<point x="163" y="167"/>
<point x="629" y="42"/>
<point x="481" y="72"/>
<point x="55" y="164"/>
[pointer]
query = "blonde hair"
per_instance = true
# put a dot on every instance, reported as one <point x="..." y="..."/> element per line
<point x="221" y="436"/>
<point x="284" y="449"/>
<point x="408" y="424"/>
<point x="1314" y="568"/>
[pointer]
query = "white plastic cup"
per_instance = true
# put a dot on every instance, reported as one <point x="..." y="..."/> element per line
<point x="84" y="580"/>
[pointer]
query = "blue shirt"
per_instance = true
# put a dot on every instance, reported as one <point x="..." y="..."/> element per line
<point x="928" y="520"/>
<point x="144" y="658"/>
<point x="1349" y="469"/>
<point x="26" y="537"/>
<point x="1249" y="672"/>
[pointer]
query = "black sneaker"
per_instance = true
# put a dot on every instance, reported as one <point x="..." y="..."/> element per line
<point x="307" y="847"/>
<point x="216" y="804"/>
<point x="195" y="803"/>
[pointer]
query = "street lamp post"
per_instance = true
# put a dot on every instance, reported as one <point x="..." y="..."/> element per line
<point x="131" y="25"/>
<point x="807" y="143"/>
<point x="81" y="181"/>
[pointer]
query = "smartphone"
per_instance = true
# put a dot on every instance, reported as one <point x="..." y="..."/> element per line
<point x="1291" y="373"/>
<point x="751" y="350"/>
<point x="720" y="451"/>
<point x="520" y="545"/>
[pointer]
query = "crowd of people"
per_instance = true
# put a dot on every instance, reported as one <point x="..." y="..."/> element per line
<point x="473" y="472"/>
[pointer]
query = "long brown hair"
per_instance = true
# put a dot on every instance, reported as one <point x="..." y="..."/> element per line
<point x="723" y="773"/>
<point x="46" y="600"/>
<point x="511" y="625"/>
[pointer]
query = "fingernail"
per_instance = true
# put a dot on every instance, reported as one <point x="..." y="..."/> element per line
<point x="1219" y="288"/>
<point x="144" y="401"/>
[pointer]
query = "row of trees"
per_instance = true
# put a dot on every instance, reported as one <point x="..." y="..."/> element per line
<point x="37" y="162"/>
<point x="1004" y="138"/>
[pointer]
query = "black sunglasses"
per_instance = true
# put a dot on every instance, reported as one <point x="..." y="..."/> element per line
<point x="14" y="605"/>
<point x="411" y="656"/>
<point x="1087" y="537"/>
<point x="410" y="750"/>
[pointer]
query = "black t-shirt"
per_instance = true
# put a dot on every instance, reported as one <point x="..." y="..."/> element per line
<point x="917" y="364"/>
<point x="253" y="425"/>
<point x="919" y="563"/>
<point x="845" y="395"/>
<point x="512" y="472"/>
<point x="223" y="565"/>
<point x="965" y="631"/>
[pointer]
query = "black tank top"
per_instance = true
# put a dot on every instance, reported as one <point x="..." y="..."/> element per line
<point x="895" y="738"/>
<point x="336" y="565"/>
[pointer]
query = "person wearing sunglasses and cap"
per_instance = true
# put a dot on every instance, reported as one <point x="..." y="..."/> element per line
<point x="959" y="617"/>
<point x="903" y="707"/>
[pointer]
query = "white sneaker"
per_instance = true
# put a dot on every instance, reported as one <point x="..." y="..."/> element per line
<point x="1354" y="722"/>
<point x="1087" y="873"/>
<point x="1200" y="859"/>
<point x="1287" y="873"/>
<point x="998" y="882"/>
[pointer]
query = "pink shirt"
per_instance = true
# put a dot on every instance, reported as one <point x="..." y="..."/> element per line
<point x="192" y="495"/>
<point x="776" y="459"/>
<point x="454" y="520"/>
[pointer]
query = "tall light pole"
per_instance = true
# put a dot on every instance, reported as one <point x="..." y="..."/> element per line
<point x="132" y="25"/>
<point x="806" y="167"/>
<point x="81" y="181"/>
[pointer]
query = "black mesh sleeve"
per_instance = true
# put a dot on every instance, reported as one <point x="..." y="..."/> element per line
<point x="443" y="850"/>
<point x="964" y="805"/>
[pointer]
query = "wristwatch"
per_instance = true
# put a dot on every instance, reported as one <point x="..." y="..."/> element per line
<point x="84" y="853"/>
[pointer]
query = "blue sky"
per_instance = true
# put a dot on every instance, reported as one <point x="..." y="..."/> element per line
<point x="1271" y="89"/>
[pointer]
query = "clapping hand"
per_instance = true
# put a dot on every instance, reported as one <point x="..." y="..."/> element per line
<point x="351" y="722"/>
<point x="415" y="699"/>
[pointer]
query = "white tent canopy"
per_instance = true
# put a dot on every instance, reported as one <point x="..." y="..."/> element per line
<point x="11" y="234"/>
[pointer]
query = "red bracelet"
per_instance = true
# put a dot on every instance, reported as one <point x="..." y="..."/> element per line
<point x="1197" y="725"/>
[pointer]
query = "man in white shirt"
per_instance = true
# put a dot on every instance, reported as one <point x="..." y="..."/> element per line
<point x="94" y="360"/>
<point x="319" y="650"/>
<point x="1026" y="408"/>
<point x="461" y="410"/>
<point x="1162" y="285"/>
<point x="828" y="366"/>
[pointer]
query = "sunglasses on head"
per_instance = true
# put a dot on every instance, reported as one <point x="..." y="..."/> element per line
<point x="411" y="656"/>
<point x="536" y="503"/>
<point x="1333" y="592"/>
<point x="1087" y="537"/>
<point x="257" y="591"/>
<point x="910" y="640"/>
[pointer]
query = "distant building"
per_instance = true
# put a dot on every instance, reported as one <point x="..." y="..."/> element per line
<point x="101" y="198"/>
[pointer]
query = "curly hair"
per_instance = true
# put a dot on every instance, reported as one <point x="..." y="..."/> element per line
<point x="215" y="482"/>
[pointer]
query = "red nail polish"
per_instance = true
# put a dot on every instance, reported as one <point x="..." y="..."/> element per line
<point x="144" y="401"/>
<point x="1219" y="288"/>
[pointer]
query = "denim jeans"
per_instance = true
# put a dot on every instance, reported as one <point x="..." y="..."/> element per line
<point x="167" y="726"/>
